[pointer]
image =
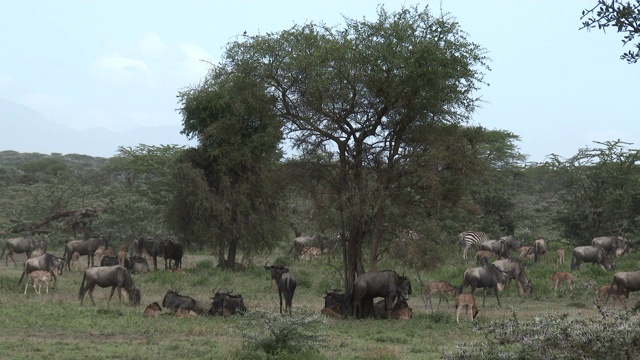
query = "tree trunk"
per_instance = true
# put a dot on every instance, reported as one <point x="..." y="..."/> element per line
<point x="378" y="232"/>
<point x="231" y="259"/>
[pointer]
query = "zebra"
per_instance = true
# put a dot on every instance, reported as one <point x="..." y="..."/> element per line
<point x="468" y="239"/>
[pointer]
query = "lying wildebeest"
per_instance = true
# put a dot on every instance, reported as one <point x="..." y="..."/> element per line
<point x="139" y="265"/>
<point x="560" y="276"/>
<point x="152" y="246"/>
<point x="83" y="247"/>
<point x="334" y="311"/>
<point x="37" y="278"/>
<point x="613" y="245"/>
<point x="603" y="291"/>
<point x="538" y="249"/>
<point x="334" y="297"/>
<point x="286" y="283"/>
<point x="590" y="254"/>
<point x="387" y="284"/>
<point x="172" y="251"/>
<point x="487" y="276"/>
<point x="47" y="262"/>
<point x="466" y="301"/>
<point x="104" y="276"/>
<point x="226" y="304"/>
<point x="560" y="257"/>
<point x="514" y="268"/>
<point x="439" y="287"/>
<point x="624" y="282"/>
<point x="400" y="310"/>
<point x="174" y="301"/>
<point x="22" y="245"/>
<point x="483" y="256"/>
<point x="108" y="260"/>
<point x="153" y="310"/>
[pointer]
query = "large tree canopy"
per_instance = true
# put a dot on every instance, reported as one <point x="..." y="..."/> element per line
<point x="367" y="100"/>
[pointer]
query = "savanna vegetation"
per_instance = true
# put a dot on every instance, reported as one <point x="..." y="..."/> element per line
<point x="360" y="131"/>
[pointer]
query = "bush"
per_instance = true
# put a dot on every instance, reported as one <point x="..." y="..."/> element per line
<point x="272" y="333"/>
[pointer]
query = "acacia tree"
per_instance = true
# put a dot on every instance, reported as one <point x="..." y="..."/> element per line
<point x="625" y="17"/>
<point x="360" y="98"/>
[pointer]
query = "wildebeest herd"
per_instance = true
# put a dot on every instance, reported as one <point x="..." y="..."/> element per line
<point x="392" y="289"/>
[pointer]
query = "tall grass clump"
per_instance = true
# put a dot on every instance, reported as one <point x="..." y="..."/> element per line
<point x="269" y="334"/>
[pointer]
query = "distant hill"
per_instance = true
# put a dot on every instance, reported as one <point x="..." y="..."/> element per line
<point x="24" y="130"/>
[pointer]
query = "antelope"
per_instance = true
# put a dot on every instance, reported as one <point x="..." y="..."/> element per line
<point x="466" y="301"/>
<point x="559" y="276"/>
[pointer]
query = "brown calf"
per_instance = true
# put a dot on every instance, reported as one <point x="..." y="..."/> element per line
<point x="484" y="255"/>
<point x="404" y="313"/>
<point x="75" y="260"/>
<point x="185" y="313"/>
<point x="309" y="253"/>
<point x="332" y="311"/>
<point x="442" y="288"/>
<point x="466" y="301"/>
<point x="560" y="257"/>
<point x="524" y="250"/>
<point x="603" y="291"/>
<point x="559" y="276"/>
<point x="37" y="278"/>
<point x="153" y="310"/>
<point x="122" y="254"/>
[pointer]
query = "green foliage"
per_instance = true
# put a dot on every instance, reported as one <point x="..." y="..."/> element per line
<point x="273" y="334"/>
<point x="620" y="15"/>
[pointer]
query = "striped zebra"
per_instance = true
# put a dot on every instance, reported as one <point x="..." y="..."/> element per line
<point x="468" y="239"/>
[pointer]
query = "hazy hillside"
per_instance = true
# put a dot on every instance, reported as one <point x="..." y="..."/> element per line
<point x="24" y="130"/>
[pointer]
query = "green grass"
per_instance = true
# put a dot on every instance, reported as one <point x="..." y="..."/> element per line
<point x="55" y="326"/>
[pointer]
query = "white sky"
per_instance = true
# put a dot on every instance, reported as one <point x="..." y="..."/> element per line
<point x="120" y="64"/>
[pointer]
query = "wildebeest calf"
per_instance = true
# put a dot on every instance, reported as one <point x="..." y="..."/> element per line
<point x="483" y="256"/>
<point x="153" y="310"/>
<point x="560" y="256"/>
<point x="467" y="301"/>
<point x="75" y="261"/>
<point x="37" y="278"/>
<point x="559" y="276"/>
<point x="443" y="288"/>
<point x="603" y="291"/>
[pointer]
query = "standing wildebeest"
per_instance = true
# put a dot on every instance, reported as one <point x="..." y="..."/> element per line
<point x="538" y="249"/>
<point x="499" y="247"/>
<point x="624" y="282"/>
<point x="511" y="241"/>
<point x="488" y="276"/>
<point x="153" y="246"/>
<point x="514" y="268"/>
<point x="46" y="262"/>
<point x="104" y="276"/>
<point x="387" y="284"/>
<point x="439" y="287"/>
<point x="175" y="301"/>
<point x="591" y="254"/>
<point x="172" y="251"/>
<point x="22" y="245"/>
<point x="83" y="247"/>
<point x="286" y="283"/>
<point x="613" y="245"/>
<point x="226" y="304"/>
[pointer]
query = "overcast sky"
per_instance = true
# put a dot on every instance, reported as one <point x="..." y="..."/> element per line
<point x="120" y="64"/>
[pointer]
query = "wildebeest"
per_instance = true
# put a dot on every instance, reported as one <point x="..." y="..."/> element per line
<point x="560" y="257"/>
<point x="487" y="276"/>
<point x="152" y="246"/>
<point x="514" y="268"/>
<point x="511" y="241"/>
<point x="334" y="311"/>
<point x="174" y="301"/>
<point x="47" y="262"/>
<point x="334" y="297"/>
<point x="603" y="291"/>
<point x="442" y="288"/>
<point x="108" y="260"/>
<point x="37" y="278"/>
<point x="153" y="310"/>
<point x="499" y="247"/>
<point x="22" y="245"/>
<point x="538" y="249"/>
<point x="83" y="247"/>
<point x="624" y="282"/>
<point x="467" y="301"/>
<point x="613" y="245"/>
<point x="591" y="254"/>
<point x="400" y="310"/>
<point x="104" y="276"/>
<point x="103" y="251"/>
<point x="139" y="265"/>
<point x="172" y="251"/>
<point x="286" y="283"/>
<point x="309" y="253"/>
<point x="386" y="284"/>
<point x="562" y="276"/>
<point x="483" y="256"/>
<point x="226" y="304"/>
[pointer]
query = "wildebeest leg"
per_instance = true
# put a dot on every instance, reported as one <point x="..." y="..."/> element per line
<point x="495" y="288"/>
<point x="10" y="254"/>
<point x="155" y="262"/>
<point x="91" y="296"/>
<point x="280" y="294"/>
<point x="113" y="289"/>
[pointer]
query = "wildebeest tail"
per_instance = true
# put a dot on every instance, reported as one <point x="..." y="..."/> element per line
<point x="81" y="293"/>
<point x="24" y="272"/>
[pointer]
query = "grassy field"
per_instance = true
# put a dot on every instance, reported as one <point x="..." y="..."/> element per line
<point x="55" y="326"/>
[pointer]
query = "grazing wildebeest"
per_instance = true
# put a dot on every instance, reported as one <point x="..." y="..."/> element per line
<point x="538" y="249"/>
<point x="83" y="247"/>
<point x="37" y="278"/>
<point x="511" y="241"/>
<point x="483" y="256"/>
<point x="442" y="288"/>
<point x="560" y="257"/>
<point x="591" y="254"/>
<point x="467" y="301"/>
<point x="560" y="276"/>
<point x="624" y="282"/>
<point x="613" y="245"/>
<point x="400" y="310"/>
<point x="47" y="262"/>
<point x="104" y="276"/>
<point x="153" y="310"/>
<point x="387" y="284"/>
<point x="152" y="246"/>
<point x="602" y="292"/>
<point x="226" y="304"/>
<point x="286" y="283"/>
<point x="487" y="276"/>
<point x="21" y="245"/>
<point x="514" y="268"/>
<point x="174" y="301"/>
<point x="172" y="251"/>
